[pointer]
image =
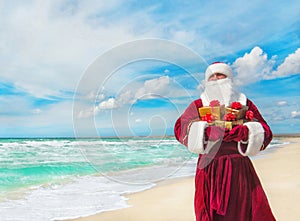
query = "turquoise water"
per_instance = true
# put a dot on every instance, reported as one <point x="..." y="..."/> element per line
<point x="55" y="179"/>
<point x="30" y="162"/>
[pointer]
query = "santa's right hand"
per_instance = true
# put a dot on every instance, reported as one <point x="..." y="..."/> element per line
<point x="214" y="133"/>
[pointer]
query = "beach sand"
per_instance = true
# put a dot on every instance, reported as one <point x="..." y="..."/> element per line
<point x="279" y="172"/>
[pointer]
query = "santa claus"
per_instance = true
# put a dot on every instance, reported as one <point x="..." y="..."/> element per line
<point x="227" y="187"/>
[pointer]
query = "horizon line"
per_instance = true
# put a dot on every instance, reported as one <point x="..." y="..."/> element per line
<point x="143" y="136"/>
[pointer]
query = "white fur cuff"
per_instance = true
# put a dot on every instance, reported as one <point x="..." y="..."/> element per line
<point x="196" y="137"/>
<point x="255" y="139"/>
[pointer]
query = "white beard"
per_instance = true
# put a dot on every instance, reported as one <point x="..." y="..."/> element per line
<point x="223" y="91"/>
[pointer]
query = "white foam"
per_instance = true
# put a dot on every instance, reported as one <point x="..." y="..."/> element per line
<point x="89" y="194"/>
<point x="85" y="196"/>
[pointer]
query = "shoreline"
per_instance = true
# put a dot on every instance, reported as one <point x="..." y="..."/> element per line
<point x="287" y="135"/>
<point x="153" y="203"/>
<point x="173" y="199"/>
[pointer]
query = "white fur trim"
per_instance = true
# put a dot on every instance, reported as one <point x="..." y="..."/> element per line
<point x="255" y="139"/>
<point x="241" y="98"/>
<point x="196" y="137"/>
<point x="204" y="99"/>
<point x="218" y="68"/>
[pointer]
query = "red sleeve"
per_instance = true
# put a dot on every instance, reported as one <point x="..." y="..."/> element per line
<point x="259" y="118"/>
<point x="185" y="120"/>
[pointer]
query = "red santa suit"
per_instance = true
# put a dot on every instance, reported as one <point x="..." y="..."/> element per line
<point x="227" y="187"/>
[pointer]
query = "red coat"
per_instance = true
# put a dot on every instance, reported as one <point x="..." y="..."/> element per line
<point x="227" y="187"/>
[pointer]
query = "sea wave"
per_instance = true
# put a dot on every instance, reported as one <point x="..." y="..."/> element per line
<point x="54" y="179"/>
<point x="82" y="197"/>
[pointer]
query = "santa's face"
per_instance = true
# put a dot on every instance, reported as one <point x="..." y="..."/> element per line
<point x="217" y="76"/>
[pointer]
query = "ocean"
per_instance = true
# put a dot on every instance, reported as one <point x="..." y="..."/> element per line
<point x="61" y="178"/>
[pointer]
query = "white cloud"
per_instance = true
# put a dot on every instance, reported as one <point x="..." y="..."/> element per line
<point x="153" y="88"/>
<point x="138" y="120"/>
<point x="89" y="110"/>
<point x="86" y="113"/>
<point x="64" y="37"/>
<point x="150" y="89"/>
<point x="184" y="36"/>
<point x="108" y="104"/>
<point x="161" y="87"/>
<point x="291" y="65"/>
<point x="28" y="121"/>
<point x="295" y="114"/>
<point x="126" y="98"/>
<point x="37" y="111"/>
<point x="47" y="45"/>
<point x="256" y="66"/>
<point x="112" y="103"/>
<point x="8" y="106"/>
<point x="253" y="66"/>
<point x="281" y="103"/>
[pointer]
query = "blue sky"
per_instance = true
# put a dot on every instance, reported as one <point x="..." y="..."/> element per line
<point x="47" y="48"/>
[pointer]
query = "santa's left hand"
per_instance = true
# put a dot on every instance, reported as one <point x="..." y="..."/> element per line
<point x="238" y="133"/>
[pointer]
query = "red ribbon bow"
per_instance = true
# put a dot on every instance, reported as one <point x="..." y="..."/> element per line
<point x="236" y="105"/>
<point x="214" y="103"/>
<point x="249" y="115"/>
<point x="208" y="117"/>
<point x="229" y="117"/>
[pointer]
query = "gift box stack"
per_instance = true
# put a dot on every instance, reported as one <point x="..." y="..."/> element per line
<point x="227" y="117"/>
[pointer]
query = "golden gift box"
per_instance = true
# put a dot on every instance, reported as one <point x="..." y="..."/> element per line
<point x="225" y="117"/>
<point x="228" y="124"/>
<point x="217" y="112"/>
<point x="223" y="124"/>
<point x="240" y="114"/>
